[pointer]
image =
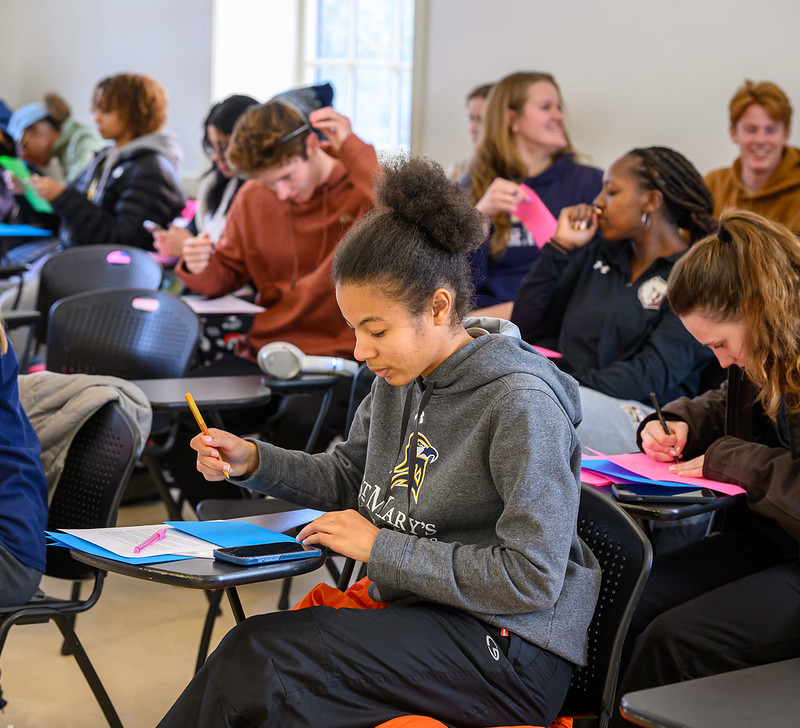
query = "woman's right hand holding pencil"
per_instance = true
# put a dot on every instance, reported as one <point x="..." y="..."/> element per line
<point x="660" y="446"/>
<point x="239" y="458"/>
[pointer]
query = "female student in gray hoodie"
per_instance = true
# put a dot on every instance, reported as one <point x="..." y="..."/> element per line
<point x="458" y="487"/>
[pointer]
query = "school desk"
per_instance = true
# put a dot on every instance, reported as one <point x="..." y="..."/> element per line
<point x="210" y="574"/>
<point x="767" y="695"/>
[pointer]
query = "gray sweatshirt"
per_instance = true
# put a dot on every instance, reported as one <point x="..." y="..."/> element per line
<point x="489" y="522"/>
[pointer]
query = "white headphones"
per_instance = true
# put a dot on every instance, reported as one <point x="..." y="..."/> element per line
<point x="283" y="360"/>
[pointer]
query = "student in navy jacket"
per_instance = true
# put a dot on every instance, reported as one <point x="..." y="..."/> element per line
<point x="529" y="145"/>
<point x="601" y="300"/>
<point x="23" y="491"/>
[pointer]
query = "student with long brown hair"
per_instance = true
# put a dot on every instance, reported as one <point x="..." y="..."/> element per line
<point x="731" y="600"/>
<point x="524" y="139"/>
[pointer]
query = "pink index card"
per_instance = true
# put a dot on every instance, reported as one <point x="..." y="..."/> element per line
<point x="592" y="478"/>
<point x="535" y="216"/>
<point x="549" y="353"/>
<point x="118" y="257"/>
<point x="641" y="464"/>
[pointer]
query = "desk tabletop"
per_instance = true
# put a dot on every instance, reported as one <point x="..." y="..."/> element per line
<point x="671" y="511"/>
<point x="213" y="574"/>
<point x="767" y="695"/>
<point x="208" y="392"/>
<point x="228" y="392"/>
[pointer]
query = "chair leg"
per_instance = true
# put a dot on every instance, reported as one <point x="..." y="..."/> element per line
<point x="74" y="596"/>
<point x="214" y="600"/>
<point x="76" y="648"/>
<point x="283" y="599"/>
<point x="173" y="509"/>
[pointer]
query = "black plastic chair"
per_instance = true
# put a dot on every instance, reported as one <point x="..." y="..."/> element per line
<point x="131" y="334"/>
<point x="92" y="268"/>
<point x="123" y="332"/>
<point x="97" y="468"/>
<point x="625" y="556"/>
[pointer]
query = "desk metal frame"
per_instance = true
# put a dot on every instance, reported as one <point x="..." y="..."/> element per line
<point x="210" y="574"/>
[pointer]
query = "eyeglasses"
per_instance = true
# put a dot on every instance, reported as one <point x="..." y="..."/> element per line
<point x="210" y="150"/>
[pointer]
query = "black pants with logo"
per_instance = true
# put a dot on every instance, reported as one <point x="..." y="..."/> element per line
<point x="357" y="668"/>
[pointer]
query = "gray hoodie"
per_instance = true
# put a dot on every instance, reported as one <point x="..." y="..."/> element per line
<point x="489" y="523"/>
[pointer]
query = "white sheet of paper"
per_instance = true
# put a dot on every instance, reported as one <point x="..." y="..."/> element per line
<point x="222" y="305"/>
<point x="123" y="540"/>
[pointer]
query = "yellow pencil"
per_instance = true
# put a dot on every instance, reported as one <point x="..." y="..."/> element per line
<point x="202" y="424"/>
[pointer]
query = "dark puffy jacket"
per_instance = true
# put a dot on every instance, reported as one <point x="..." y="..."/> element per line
<point x="119" y="190"/>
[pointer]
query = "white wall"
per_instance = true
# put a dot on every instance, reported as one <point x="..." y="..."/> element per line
<point x="67" y="46"/>
<point x="632" y="72"/>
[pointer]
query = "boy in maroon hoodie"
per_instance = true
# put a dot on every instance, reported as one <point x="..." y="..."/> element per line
<point x="280" y="234"/>
<point x="285" y="223"/>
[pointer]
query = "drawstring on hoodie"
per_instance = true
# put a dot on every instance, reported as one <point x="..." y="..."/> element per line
<point x="323" y="247"/>
<point x="413" y="446"/>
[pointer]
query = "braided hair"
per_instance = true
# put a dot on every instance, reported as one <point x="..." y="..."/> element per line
<point x="687" y="201"/>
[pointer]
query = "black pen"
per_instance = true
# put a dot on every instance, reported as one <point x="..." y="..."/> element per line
<point x="661" y="417"/>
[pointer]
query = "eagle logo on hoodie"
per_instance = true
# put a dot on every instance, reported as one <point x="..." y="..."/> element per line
<point x="426" y="454"/>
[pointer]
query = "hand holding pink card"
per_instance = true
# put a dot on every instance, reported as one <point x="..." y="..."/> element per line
<point x="535" y="216"/>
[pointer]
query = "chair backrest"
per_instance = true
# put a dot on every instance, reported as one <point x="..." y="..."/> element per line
<point x="91" y="268"/>
<point x="625" y="556"/>
<point x="123" y="332"/>
<point x="97" y="469"/>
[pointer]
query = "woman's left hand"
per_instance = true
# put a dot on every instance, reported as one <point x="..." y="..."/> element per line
<point x="691" y="468"/>
<point x="46" y="187"/>
<point x="346" y="532"/>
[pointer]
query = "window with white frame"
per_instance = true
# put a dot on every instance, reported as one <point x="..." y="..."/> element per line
<point x="365" y="49"/>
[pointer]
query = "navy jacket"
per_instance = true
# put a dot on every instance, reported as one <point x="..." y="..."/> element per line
<point x="618" y="337"/>
<point x="23" y="488"/>
<point x="562" y="184"/>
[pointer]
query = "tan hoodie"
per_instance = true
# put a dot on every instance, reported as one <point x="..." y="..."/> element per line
<point x="778" y="200"/>
<point x="286" y="249"/>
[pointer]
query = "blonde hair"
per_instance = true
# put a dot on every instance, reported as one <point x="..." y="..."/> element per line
<point x="749" y="271"/>
<point x="496" y="154"/>
<point x="3" y="339"/>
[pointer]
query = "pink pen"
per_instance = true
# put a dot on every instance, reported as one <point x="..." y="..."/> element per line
<point x="157" y="536"/>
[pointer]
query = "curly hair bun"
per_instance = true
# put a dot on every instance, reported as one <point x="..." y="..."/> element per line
<point x="418" y="191"/>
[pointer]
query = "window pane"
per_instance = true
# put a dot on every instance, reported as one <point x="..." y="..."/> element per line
<point x="375" y="30"/>
<point x="404" y="113"/>
<point x="375" y="92"/>
<point x="407" y="31"/>
<point x="333" y="28"/>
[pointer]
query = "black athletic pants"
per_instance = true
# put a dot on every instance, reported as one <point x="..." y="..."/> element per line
<point x="730" y="601"/>
<point x="354" y="668"/>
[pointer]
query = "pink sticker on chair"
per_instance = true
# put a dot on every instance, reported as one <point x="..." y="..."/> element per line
<point x="145" y="304"/>
<point x="118" y="257"/>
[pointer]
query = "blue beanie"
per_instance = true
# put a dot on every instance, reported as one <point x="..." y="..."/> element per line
<point x="24" y="117"/>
